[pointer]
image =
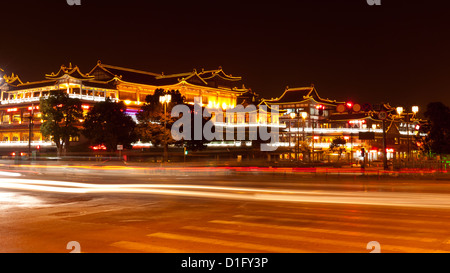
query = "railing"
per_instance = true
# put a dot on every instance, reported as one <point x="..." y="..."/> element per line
<point x="87" y="97"/>
<point x="16" y="101"/>
<point x="25" y="143"/>
<point x="36" y="99"/>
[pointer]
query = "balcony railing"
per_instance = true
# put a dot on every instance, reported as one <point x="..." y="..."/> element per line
<point x="25" y="143"/>
<point x="36" y="99"/>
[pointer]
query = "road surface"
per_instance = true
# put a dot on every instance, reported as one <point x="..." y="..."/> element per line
<point x="126" y="209"/>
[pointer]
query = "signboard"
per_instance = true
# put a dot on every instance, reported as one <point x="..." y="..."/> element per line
<point x="366" y="107"/>
<point x="119" y="147"/>
<point x="382" y="115"/>
<point x="366" y="135"/>
<point x="356" y="107"/>
<point x="340" y="108"/>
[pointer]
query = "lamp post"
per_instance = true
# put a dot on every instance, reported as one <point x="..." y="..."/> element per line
<point x="312" y="137"/>
<point x="399" y="112"/>
<point x="164" y="100"/>
<point x="30" y="130"/>
<point x="292" y="116"/>
<point x="304" y="116"/>
<point x="414" y="110"/>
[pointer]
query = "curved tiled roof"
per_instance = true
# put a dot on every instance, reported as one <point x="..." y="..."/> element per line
<point x="298" y="95"/>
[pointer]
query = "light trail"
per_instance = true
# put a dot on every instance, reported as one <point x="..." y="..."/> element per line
<point x="434" y="200"/>
<point x="231" y="170"/>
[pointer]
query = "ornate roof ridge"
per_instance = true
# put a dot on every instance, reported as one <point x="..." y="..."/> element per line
<point x="127" y="69"/>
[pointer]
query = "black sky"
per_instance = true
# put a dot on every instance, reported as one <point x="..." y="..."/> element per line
<point x="397" y="52"/>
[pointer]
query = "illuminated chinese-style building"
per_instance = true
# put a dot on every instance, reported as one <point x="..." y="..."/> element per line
<point x="310" y="118"/>
<point x="304" y="115"/>
<point x="20" y="100"/>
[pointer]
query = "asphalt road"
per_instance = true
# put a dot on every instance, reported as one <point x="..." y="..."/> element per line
<point x="106" y="209"/>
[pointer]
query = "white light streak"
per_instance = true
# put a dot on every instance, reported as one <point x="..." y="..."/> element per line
<point x="435" y="200"/>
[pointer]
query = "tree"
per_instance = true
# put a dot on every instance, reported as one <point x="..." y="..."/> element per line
<point x="437" y="129"/>
<point x="61" y="116"/>
<point x="338" y="146"/>
<point x="199" y="144"/>
<point x="154" y="123"/>
<point x="107" y="123"/>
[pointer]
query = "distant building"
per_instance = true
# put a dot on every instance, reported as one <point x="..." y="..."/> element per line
<point x="325" y="120"/>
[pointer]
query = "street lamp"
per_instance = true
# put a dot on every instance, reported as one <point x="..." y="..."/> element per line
<point x="414" y="110"/>
<point x="292" y="116"/>
<point x="304" y="116"/>
<point x="166" y="99"/>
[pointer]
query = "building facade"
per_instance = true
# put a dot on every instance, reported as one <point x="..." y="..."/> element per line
<point x="19" y="109"/>
<point x="310" y="127"/>
<point x="342" y="131"/>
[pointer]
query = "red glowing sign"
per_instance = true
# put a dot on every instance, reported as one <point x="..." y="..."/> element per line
<point x="98" y="147"/>
<point x="31" y="108"/>
<point x="12" y="110"/>
<point x="85" y="107"/>
<point x="357" y="121"/>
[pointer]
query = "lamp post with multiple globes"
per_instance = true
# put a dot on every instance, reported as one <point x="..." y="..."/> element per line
<point x="400" y="111"/>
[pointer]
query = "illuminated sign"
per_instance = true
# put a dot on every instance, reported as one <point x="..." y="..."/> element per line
<point x="357" y="121"/>
<point x="85" y="107"/>
<point x="31" y="108"/>
<point x="12" y="110"/>
<point x="98" y="147"/>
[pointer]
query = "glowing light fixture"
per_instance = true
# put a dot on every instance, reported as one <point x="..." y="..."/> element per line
<point x="165" y="99"/>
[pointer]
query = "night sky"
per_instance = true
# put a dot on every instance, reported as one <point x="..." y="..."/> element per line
<point x="397" y="52"/>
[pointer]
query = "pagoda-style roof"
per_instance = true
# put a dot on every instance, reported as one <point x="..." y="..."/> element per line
<point x="212" y="78"/>
<point x="32" y="85"/>
<point x="108" y="76"/>
<point x="248" y="97"/>
<point x="73" y="72"/>
<point x="108" y="72"/>
<point x="211" y="74"/>
<point x="12" y="80"/>
<point x="101" y="84"/>
<point x="191" y="77"/>
<point x="299" y="95"/>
